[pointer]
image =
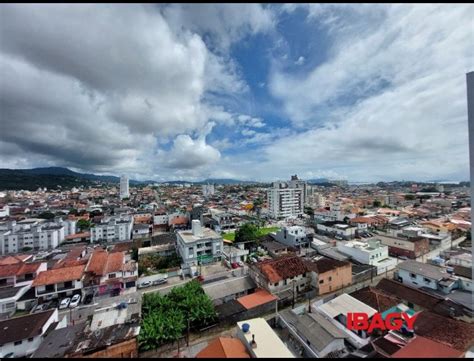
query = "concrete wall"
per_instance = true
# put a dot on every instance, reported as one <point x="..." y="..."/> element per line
<point x="334" y="279"/>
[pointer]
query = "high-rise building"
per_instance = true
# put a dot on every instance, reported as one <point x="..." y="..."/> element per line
<point x="208" y="190"/>
<point x="287" y="199"/>
<point x="124" y="191"/>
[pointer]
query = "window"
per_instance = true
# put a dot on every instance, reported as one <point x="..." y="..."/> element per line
<point x="427" y="280"/>
<point x="277" y="283"/>
<point x="330" y="278"/>
<point x="30" y="339"/>
<point x="112" y="275"/>
<point x="321" y="282"/>
<point x="412" y="275"/>
<point x="18" y="343"/>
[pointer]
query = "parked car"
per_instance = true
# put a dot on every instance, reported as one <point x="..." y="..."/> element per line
<point x="403" y="257"/>
<point x="200" y="278"/>
<point x="144" y="284"/>
<point x="64" y="303"/>
<point x="234" y="265"/>
<point x="159" y="282"/>
<point x="42" y="307"/>
<point x="9" y="355"/>
<point x="75" y="301"/>
<point x="253" y="260"/>
<point x="240" y="263"/>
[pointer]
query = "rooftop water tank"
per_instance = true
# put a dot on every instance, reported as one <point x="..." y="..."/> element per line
<point x="245" y="327"/>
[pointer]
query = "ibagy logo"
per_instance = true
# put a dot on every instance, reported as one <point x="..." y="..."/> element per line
<point x="393" y="321"/>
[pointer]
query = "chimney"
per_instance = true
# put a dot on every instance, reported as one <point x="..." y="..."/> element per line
<point x="196" y="228"/>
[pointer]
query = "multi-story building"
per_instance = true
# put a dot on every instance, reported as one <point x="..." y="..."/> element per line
<point x="113" y="229"/>
<point x="59" y="282"/>
<point x="33" y="234"/>
<point x="124" y="189"/>
<point x="198" y="246"/>
<point x="372" y="252"/>
<point x="294" y="236"/>
<point x="281" y="274"/>
<point x="338" y="229"/>
<point x="208" y="190"/>
<point x="287" y="199"/>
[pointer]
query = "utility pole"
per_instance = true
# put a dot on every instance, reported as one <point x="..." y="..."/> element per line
<point x="294" y="294"/>
<point x="189" y="326"/>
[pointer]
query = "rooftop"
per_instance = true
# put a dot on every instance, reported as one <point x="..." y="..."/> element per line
<point x="59" y="275"/>
<point x="426" y="348"/>
<point x="224" y="347"/>
<point x="207" y="233"/>
<point x="259" y="297"/>
<point x="24" y="327"/>
<point x="423" y="269"/>
<point x="344" y="304"/>
<point x="268" y="343"/>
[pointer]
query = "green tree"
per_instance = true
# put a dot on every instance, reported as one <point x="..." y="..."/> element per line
<point x="247" y="232"/>
<point x="309" y="211"/>
<point x="83" y="224"/>
<point x="376" y="203"/>
<point x="410" y="197"/>
<point x="46" y="215"/>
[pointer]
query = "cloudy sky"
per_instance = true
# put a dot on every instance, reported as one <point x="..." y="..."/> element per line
<point x="246" y="91"/>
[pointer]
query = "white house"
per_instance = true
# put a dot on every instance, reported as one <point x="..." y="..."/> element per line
<point x="372" y="253"/>
<point x="198" y="246"/>
<point x="294" y="236"/>
<point x="21" y="336"/>
<point x="418" y="274"/>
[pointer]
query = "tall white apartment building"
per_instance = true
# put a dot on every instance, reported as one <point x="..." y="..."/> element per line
<point x="287" y="199"/>
<point x="113" y="229"/>
<point x="124" y="190"/>
<point x="208" y="190"/>
<point x="33" y="234"/>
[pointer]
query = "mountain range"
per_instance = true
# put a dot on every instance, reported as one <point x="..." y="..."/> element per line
<point x="52" y="177"/>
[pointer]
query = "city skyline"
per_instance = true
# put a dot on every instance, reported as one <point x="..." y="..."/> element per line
<point x="257" y="92"/>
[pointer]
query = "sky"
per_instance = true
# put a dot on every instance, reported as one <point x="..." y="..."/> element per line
<point x="372" y="92"/>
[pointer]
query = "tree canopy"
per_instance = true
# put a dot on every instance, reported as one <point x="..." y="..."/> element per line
<point x="247" y="232"/>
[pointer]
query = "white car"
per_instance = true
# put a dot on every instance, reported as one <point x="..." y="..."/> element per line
<point x="144" y="284"/>
<point x="64" y="303"/>
<point x="240" y="263"/>
<point x="75" y="301"/>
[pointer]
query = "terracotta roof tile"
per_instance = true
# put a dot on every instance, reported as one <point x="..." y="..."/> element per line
<point x="259" y="297"/>
<point x="224" y="347"/>
<point x="454" y="333"/>
<point x="59" y="275"/>
<point x="426" y="348"/>
<point x="282" y="268"/>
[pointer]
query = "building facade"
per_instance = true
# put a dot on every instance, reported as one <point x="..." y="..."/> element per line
<point x="124" y="187"/>
<point x="287" y="199"/>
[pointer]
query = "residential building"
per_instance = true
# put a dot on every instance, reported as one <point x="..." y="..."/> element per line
<point x="286" y="199"/>
<point x="372" y="252"/>
<point x="337" y="229"/>
<point x="208" y="190"/>
<point x="32" y="234"/>
<point x="412" y="247"/>
<point x="329" y="275"/>
<point x="21" y="336"/>
<point x="112" y="229"/>
<point x="59" y="282"/>
<point x="198" y="246"/>
<point x="124" y="187"/>
<point x="110" y="273"/>
<point x="314" y="335"/>
<point x="286" y="273"/>
<point x="260" y="340"/>
<point x="418" y="274"/>
<point x="336" y="311"/>
<point x="294" y="236"/>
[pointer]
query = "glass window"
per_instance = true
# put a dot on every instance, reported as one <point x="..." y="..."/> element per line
<point x="18" y="343"/>
<point x="321" y="282"/>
